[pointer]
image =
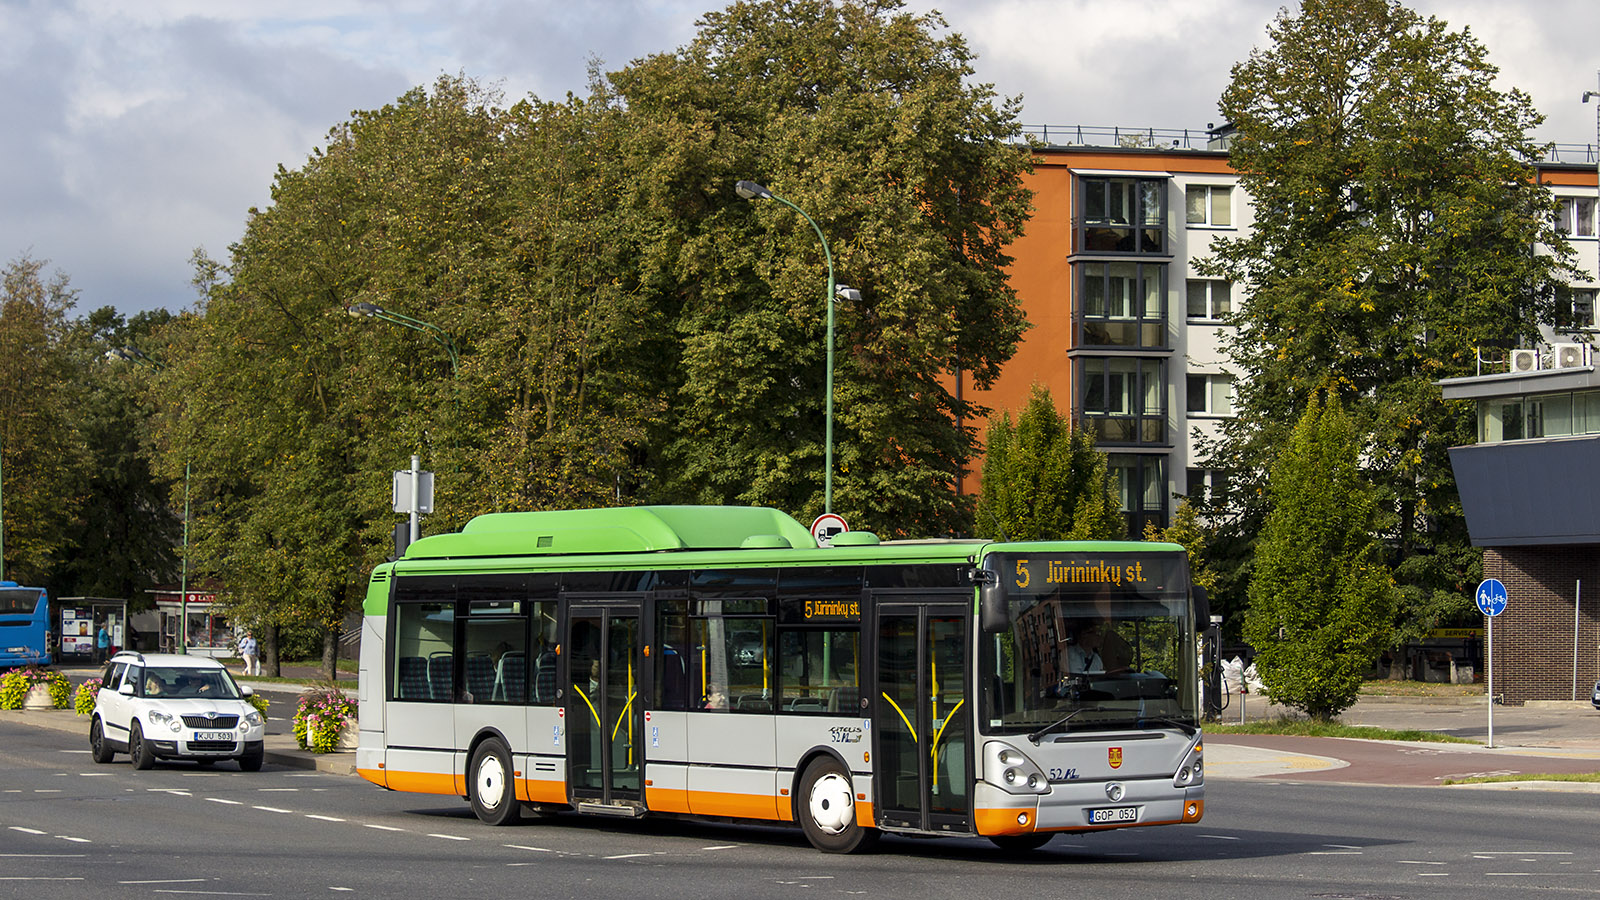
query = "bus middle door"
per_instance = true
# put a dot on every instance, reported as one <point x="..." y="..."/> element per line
<point x="922" y="763"/>
<point x="604" y="708"/>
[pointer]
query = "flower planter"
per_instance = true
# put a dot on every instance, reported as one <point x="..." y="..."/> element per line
<point x="39" y="698"/>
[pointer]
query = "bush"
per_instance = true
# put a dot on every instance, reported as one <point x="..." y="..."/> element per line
<point x="320" y="719"/>
<point x="83" y="700"/>
<point x="16" y="684"/>
<point x="260" y="703"/>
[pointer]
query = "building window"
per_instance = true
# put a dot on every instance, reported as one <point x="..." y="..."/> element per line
<point x="1210" y="300"/>
<point x="1209" y="204"/>
<point x="1207" y="486"/>
<point x="1210" y="395"/>
<point x="1542" y="415"/>
<point x="1575" y="308"/>
<point x="1142" y="488"/>
<point x="1124" y="399"/>
<point x="1123" y="304"/>
<point x="1576" y="218"/>
<point x="1123" y="215"/>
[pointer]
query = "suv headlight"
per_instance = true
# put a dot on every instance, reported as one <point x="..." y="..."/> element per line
<point x="253" y="719"/>
<point x="171" y="721"/>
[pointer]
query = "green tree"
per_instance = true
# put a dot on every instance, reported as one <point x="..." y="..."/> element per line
<point x="1043" y="480"/>
<point x="127" y="537"/>
<point x="42" y="457"/>
<point x="1396" y="215"/>
<point x="1189" y="532"/>
<point x="864" y="116"/>
<point x="1322" y="600"/>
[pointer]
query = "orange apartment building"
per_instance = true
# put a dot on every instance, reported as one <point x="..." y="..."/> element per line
<point x="1126" y="334"/>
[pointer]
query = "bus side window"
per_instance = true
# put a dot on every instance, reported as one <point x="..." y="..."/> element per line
<point x="672" y="655"/>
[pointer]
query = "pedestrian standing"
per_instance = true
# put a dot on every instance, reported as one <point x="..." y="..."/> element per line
<point x="247" y="651"/>
<point x="102" y="643"/>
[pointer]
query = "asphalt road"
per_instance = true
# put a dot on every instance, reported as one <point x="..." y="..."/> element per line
<point x="72" y="829"/>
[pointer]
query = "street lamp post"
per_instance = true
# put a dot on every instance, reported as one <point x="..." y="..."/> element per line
<point x="1586" y="96"/>
<point x="750" y="190"/>
<point x="137" y="357"/>
<point x="366" y="310"/>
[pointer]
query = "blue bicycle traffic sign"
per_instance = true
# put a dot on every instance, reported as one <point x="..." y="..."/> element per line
<point x="1491" y="597"/>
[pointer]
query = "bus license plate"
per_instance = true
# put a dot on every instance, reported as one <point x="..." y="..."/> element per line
<point x="1116" y="814"/>
<point x="215" y="736"/>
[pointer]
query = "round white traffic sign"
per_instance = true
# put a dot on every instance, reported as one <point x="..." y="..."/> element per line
<point x="826" y="526"/>
<point x="1491" y="597"/>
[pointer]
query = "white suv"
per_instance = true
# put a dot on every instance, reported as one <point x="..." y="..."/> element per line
<point x="165" y="706"/>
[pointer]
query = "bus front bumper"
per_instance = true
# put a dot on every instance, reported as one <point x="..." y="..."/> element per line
<point x="1086" y="806"/>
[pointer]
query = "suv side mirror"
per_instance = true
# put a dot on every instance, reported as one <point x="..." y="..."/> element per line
<point x="126" y="690"/>
<point x="247" y="690"/>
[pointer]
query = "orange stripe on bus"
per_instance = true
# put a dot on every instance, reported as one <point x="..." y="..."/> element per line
<point x="864" y="814"/>
<point x="424" y="783"/>
<point x="739" y="806"/>
<point x="669" y="800"/>
<point x="376" y="776"/>
<point x="536" y="790"/>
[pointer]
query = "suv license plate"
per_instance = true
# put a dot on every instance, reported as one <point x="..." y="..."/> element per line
<point x="1117" y="814"/>
<point x="213" y="735"/>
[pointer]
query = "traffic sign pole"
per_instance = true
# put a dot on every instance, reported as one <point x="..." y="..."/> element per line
<point x="1492" y="598"/>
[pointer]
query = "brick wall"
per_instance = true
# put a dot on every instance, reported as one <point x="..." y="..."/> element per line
<point x="1533" y="637"/>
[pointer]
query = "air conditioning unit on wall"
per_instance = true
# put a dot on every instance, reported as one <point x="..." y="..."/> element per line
<point x="1524" y="360"/>
<point x="1570" y="356"/>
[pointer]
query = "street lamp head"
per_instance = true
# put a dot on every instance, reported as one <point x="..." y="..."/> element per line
<point x="749" y="190"/>
<point x="1588" y="94"/>
<point x="364" y="310"/>
<point x="847" y="293"/>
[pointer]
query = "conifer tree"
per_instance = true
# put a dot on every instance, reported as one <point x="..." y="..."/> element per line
<point x="1044" y="479"/>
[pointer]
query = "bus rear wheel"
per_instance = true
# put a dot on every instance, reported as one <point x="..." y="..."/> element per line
<point x="494" y="796"/>
<point x="828" y="809"/>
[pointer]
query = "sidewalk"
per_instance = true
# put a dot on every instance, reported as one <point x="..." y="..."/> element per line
<point x="1548" y="737"/>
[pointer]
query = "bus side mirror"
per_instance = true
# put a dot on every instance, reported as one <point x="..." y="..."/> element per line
<point x="1202" y="603"/>
<point x="994" y="614"/>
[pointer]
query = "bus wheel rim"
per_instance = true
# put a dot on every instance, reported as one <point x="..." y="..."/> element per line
<point x="831" y="803"/>
<point x="491" y="782"/>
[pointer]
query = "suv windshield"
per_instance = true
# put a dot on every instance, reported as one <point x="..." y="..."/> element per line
<point x="1096" y="641"/>
<point x="185" y="683"/>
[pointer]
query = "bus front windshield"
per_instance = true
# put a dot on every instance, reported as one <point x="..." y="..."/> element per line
<point x="1095" y="642"/>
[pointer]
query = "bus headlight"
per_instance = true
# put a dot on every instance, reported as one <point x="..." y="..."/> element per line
<point x="1192" y="770"/>
<point x="1012" y="771"/>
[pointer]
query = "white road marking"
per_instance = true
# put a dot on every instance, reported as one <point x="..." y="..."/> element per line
<point x="273" y="809"/>
<point x="1419" y="862"/>
<point x="173" y="791"/>
<point x="626" y="856"/>
<point x="229" y="802"/>
<point x="279" y="790"/>
<point x="1342" y="846"/>
<point x="47" y="790"/>
<point x="167" y="881"/>
<point x="521" y="847"/>
<point x="722" y="847"/>
<point x="26" y="830"/>
<point x="340" y="889"/>
<point x="75" y="840"/>
<point x="450" y="837"/>
<point x="1218" y="837"/>
<point x="1508" y="873"/>
<point x="34" y="878"/>
<point x="380" y="827"/>
<point x="323" y="818"/>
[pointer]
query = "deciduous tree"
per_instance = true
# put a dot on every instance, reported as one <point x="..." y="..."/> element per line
<point x="1043" y="480"/>
<point x="1396" y="215"/>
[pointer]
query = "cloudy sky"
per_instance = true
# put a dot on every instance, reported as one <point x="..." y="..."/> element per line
<point x="138" y="130"/>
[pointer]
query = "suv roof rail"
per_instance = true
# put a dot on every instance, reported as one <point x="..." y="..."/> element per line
<point x="133" y="653"/>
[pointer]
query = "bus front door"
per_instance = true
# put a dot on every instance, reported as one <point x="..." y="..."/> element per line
<point x="603" y="709"/>
<point x="922" y="738"/>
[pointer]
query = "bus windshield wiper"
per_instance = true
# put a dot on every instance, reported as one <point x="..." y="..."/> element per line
<point x="1185" y="727"/>
<point x="1034" y="737"/>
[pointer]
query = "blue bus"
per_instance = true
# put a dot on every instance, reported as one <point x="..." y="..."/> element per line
<point x="24" y="621"/>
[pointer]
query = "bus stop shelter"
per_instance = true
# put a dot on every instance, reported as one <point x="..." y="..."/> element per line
<point x="78" y="621"/>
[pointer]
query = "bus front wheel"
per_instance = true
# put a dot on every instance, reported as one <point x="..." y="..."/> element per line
<point x="494" y="797"/>
<point x="828" y="809"/>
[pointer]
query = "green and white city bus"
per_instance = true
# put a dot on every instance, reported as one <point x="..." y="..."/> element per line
<point x="714" y="662"/>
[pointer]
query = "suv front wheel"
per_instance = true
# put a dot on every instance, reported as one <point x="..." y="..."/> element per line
<point x="139" y="752"/>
